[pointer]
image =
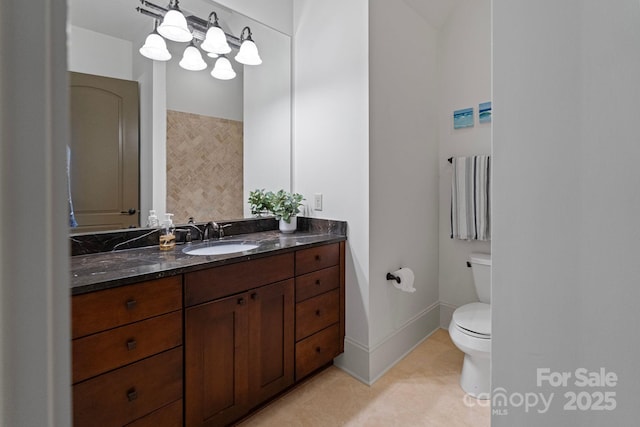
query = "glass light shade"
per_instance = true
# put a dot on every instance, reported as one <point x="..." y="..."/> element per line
<point x="215" y="41"/>
<point x="248" y="53"/>
<point x="223" y="69"/>
<point x="192" y="59"/>
<point x="212" y="55"/>
<point x="174" y="27"/>
<point x="155" y="48"/>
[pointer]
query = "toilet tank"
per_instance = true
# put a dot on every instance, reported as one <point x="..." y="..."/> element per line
<point x="481" y="270"/>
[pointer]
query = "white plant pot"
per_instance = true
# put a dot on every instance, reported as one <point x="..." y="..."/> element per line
<point x="288" y="227"/>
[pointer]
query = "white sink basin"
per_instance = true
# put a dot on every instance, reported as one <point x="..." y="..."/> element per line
<point x="219" y="248"/>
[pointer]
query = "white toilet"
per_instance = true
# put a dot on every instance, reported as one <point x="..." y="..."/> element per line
<point x="470" y="331"/>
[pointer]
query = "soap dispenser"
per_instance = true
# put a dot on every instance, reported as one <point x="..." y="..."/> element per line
<point x="167" y="234"/>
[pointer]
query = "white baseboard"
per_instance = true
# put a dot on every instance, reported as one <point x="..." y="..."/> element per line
<point x="446" y="313"/>
<point x="396" y="346"/>
<point x="369" y="364"/>
<point x="354" y="360"/>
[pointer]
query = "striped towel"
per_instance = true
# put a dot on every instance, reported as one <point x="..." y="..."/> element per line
<point x="470" y="198"/>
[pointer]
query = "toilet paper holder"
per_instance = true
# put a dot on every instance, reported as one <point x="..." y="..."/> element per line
<point x="393" y="277"/>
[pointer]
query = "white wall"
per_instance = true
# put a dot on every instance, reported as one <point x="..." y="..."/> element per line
<point x="152" y="80"/>
<point x="331" y="137"/>
<point x="565" y="248"/>
<point x="96" y="53"/>
<point x="267" y="115"/>
<point x="403" y="180"/>
<point x="366" y="138"/>
<point x="197" y="92"/>
<point x="143" y="73"/>
<point x="464" y="48"/>
<point x="35" y="372"/>
<point x="277" y="14"/>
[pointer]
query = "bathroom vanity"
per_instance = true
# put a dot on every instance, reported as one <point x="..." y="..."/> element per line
<point x="169" y="339"/>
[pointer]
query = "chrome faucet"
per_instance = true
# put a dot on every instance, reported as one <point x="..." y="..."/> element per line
<point x="195" y="227"/>
<point x="209" y="229"/>
<point x="221" y="230"/>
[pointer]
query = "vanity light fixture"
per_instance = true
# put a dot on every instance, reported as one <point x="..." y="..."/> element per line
<point x="248" y="53"/>
<point x="192" y="59"/>
<point x="215" y="41"/>
<point x="223" y="69"/>
<point x="155" y="47"/>
<point x="174" y="25"/>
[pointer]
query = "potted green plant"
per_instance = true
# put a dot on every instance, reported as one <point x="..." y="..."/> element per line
<point x="285" y="206"/>
<point x="260" y="202"/>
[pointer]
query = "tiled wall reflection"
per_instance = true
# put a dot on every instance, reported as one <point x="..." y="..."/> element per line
<point x="204" y="167"/>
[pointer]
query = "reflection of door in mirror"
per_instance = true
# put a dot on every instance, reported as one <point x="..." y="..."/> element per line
<point x="104" y="152"/>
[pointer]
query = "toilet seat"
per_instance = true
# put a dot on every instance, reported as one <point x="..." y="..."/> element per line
<point x="474" y="319"/>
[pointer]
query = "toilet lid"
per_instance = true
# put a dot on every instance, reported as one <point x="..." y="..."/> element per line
<point x="480" y="258"/>
<point x="474" y="317"/>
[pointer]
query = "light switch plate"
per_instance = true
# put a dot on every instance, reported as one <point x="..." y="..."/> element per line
<point x="317" y="201"/>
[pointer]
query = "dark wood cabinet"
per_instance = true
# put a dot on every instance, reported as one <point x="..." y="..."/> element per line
<point x="244" y="332"/>
<point x="239" y="350"/>
<point x="271" y="343"/>
<point x="129" y="393"/>
<point x="319" y="307"/>
<point x="127" y="355"/>
<point x="98" y="311"/>
<point x="101" y="352"/>
<point x="216" y="361"/>
<point x="317" y="350"/>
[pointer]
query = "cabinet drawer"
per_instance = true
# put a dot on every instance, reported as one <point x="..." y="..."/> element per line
<point x="105" y="351"/>
<point x="316" y="283"/>
<point x="317" y="350"/>
<point x="167" y="416"/>
<point x="317" y="313"/>
<point x="207" y="285"/>
<point x="102" y="310"/>
<point x="129" y="393"/>
<point x="312" y="259"/>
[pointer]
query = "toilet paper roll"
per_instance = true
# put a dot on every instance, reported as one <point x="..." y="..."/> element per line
<point x="406" y="280"/>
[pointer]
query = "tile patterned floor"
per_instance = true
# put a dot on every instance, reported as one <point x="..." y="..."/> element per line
<point x="421" y="390"/>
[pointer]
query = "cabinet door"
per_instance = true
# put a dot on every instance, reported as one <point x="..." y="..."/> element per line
<point x="271" y="342"/>
<point x="216" y="356"/>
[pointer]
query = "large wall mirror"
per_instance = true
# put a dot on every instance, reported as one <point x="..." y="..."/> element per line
<point x="203" y="143"/>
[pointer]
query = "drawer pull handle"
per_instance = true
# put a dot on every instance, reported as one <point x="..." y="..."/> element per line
<point x="131" y="304"/>
<point x="241" y="301"/>
<point x="318" y="282"/>
<point x="254" y="296"/>
<point x="132" y="395"/>
<point x="318" y="350"/>
<point x="318" y="312"/>
<point x="317" y="257"/>
<point x="131" y="345"/>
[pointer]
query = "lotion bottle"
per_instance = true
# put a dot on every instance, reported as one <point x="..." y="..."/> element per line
<point x="167" y="234"/>
<point x="153" y="221"/>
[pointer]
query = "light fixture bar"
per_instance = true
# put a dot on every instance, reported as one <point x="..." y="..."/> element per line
<point x="198" y="24"/>
<point x="149" y="13"/>
<point x="161" y="9"/>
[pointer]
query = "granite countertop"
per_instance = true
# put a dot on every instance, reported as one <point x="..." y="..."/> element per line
<point x="105" y="270"/>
